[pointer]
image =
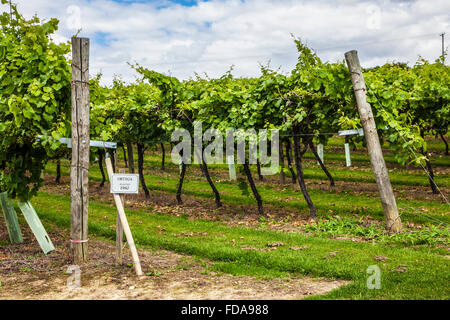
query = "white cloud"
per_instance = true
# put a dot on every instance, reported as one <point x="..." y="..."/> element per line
<point x="213" y="35"/>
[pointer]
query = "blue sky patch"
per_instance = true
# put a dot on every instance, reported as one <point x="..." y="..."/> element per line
<point x="102" y="38"/>
<point x="163" y="3"/>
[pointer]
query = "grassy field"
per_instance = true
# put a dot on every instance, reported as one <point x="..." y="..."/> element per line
<point x="346" y="240"/>
<point x="243" y="251"/>
<point x="348" y="200"/>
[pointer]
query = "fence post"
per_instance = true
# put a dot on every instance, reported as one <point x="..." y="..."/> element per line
<point x="79" y="195"/>
<point x="393" y="222"/>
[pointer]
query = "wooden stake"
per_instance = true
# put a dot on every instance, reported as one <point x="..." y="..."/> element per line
<point x="80" y="150"/>
<point x="124" y="221"/>
<point x="393" y="222"/>
<point x="119" y="232"/>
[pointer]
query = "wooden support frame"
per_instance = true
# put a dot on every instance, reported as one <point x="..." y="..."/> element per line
<point x="124" y="222"/>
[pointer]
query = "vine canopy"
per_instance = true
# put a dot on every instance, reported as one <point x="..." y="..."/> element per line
<point x="34" y="100"/>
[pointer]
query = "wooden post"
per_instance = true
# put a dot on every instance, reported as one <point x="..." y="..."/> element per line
<point x="393" y="222"/>
<point x="124" y="221"/>
<point x="80" y="150"/>
<point x="119" y="232"/>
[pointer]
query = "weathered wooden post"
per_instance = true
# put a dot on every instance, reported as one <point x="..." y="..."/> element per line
<point x="393" y="222"/>
<point x="80" y="150"/>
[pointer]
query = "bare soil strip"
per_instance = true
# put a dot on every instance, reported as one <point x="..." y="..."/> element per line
<point x="26" y="273"/>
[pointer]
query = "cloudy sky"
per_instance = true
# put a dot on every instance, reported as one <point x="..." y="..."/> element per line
<point x="186" y="36"/>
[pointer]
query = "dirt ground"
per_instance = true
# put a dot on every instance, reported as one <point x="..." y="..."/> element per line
<point x="26" y="273"/>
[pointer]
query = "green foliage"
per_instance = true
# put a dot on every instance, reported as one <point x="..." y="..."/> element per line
<point x="338" y="226"/>
<point x="411" y="102"/>
<point x="126" y="113"/>
<point x="34" y="100"/>
<point x="316" y="97"/>
<point x="243" y="186"/>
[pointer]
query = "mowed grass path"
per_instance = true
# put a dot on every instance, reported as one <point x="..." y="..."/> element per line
<point x="328" y="203"/>
<point x="399" y="177"/>
<point x="427" y="275"/>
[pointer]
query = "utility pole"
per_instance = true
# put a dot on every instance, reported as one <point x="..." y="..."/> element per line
<point x="443" y="46"/>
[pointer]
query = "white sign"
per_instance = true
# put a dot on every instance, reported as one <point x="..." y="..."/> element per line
<point x="92" y="143"/>
<point x="351" y="132"/>
<point x="125" y="183"/>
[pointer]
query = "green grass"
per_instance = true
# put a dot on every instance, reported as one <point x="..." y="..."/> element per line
<point x="335" y="152"/>
<point x="414" y="176"/>
<point x="327" y="202"/>
<point x="433" y="145"/>
<point x="427" y="276"/>
<point x="428" y="271"/>
<point x="400" y="177"/>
